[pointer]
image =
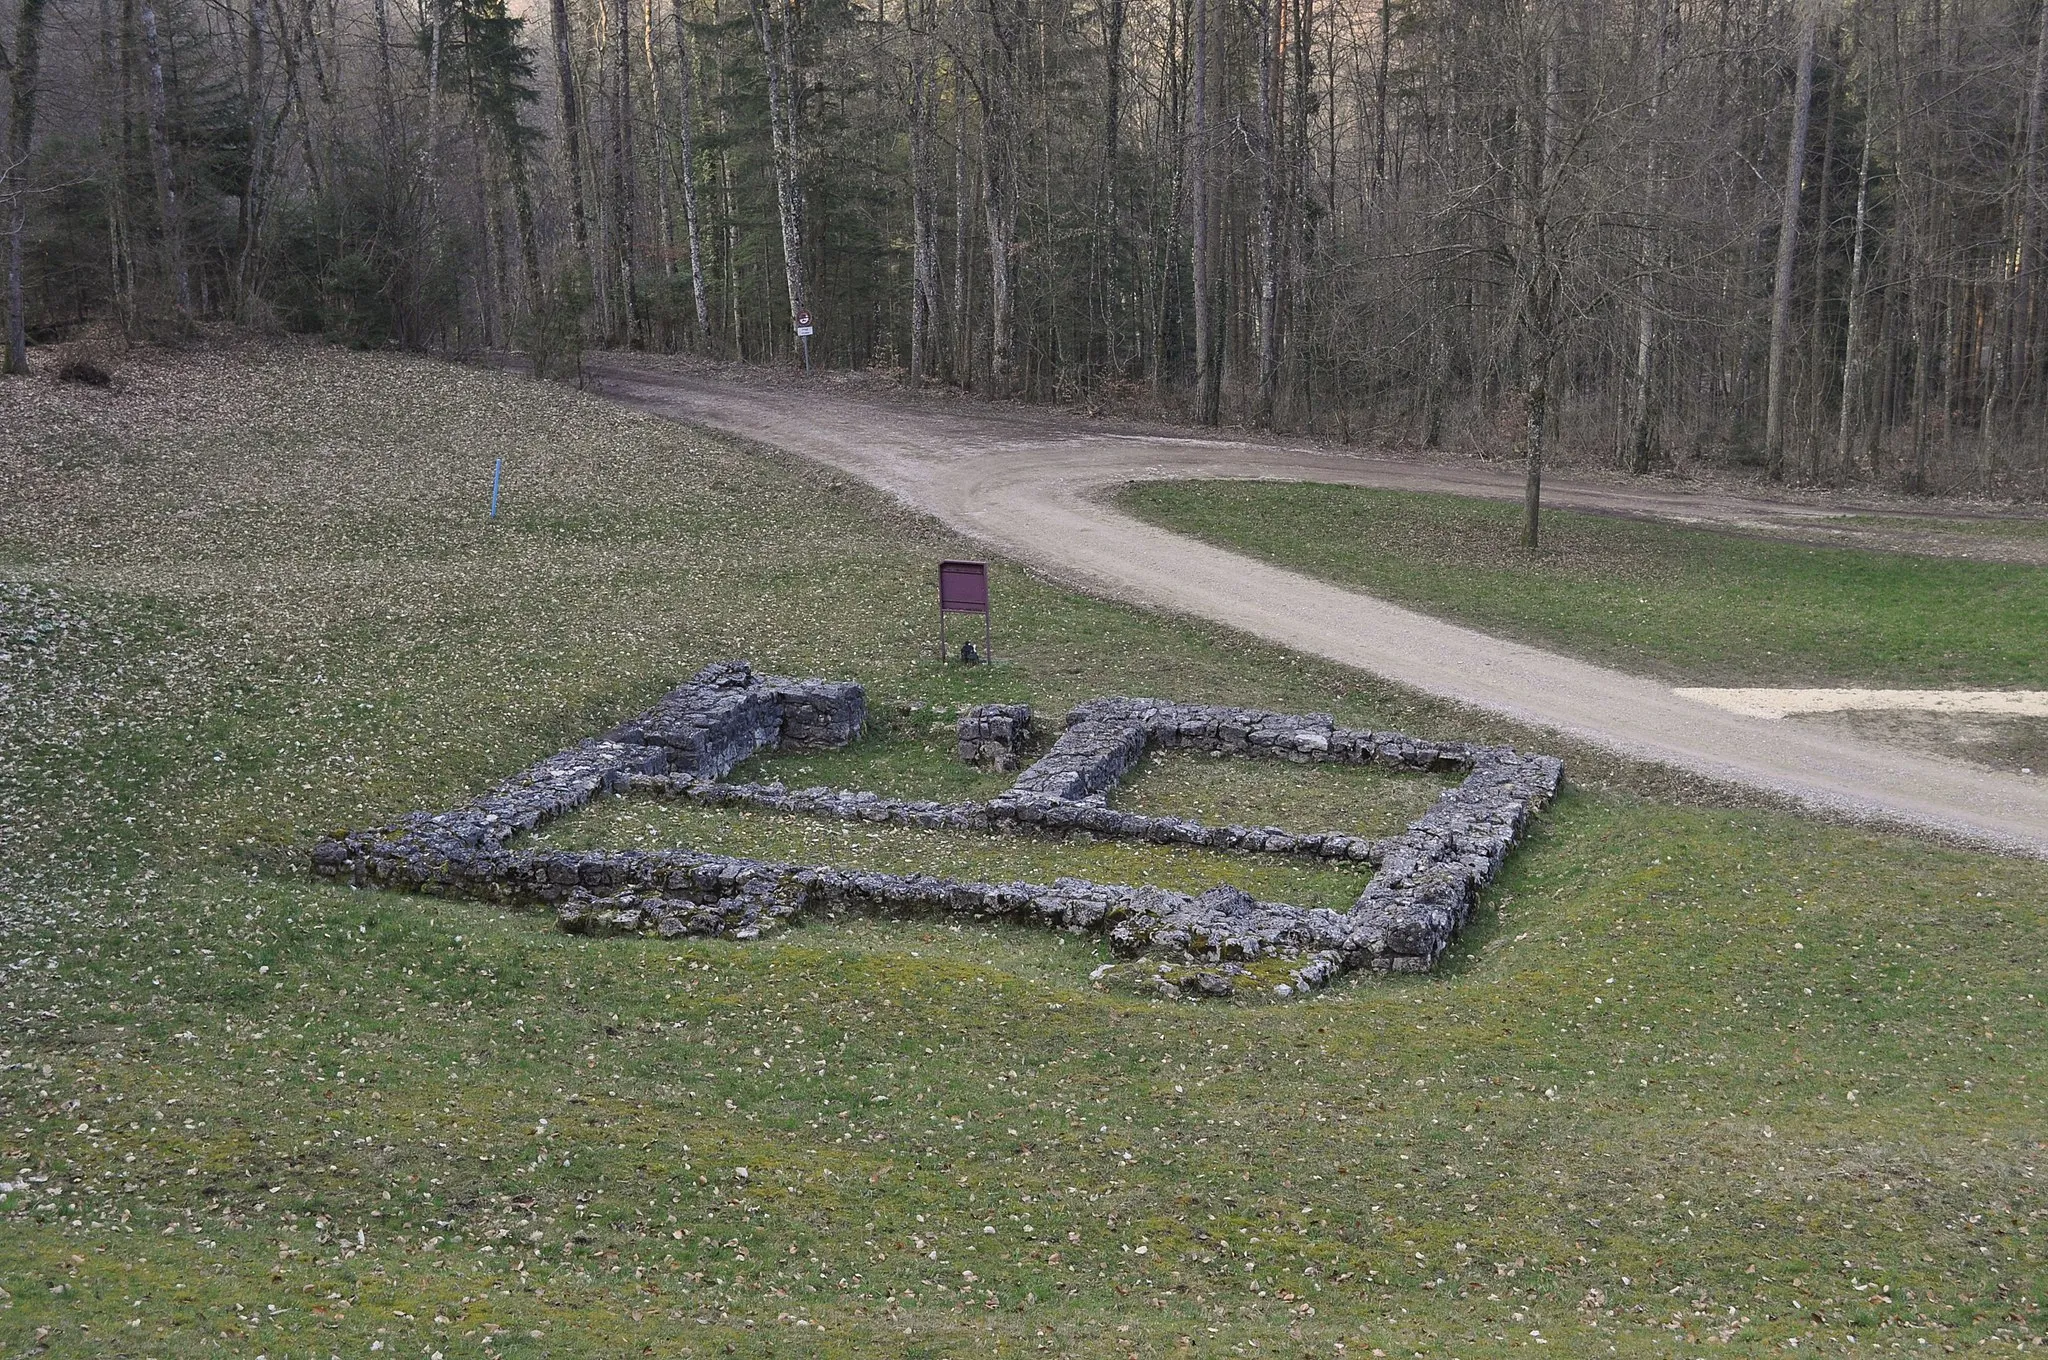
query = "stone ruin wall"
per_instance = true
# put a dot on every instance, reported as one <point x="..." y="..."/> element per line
<point x="1426" y="883"/>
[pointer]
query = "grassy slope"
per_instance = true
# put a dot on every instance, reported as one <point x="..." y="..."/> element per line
<point x="1694" y="1073"/>
<point x="1690" y="604"/>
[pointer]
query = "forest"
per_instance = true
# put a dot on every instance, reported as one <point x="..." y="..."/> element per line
<point x="1799" y="237"/>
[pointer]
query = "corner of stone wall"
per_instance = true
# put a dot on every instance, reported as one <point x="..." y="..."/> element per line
<point x="994" y="735"/>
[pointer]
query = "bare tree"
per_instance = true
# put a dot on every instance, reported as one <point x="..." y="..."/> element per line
<point x="624" y="181"/>
<point x="925" y="306"/>
<point x="1788" y="241"/>
<point x="771" y="23"/>
<point x="686" y="138"/>
<point x="1208" y="367"/>
<point x="169" y="208"/>
<point x="1641" y="449"/>
<point x="1541" y="283"/>
<point x="24" y="69"/>
<point x="1852" y="346"/>
<point x="1002" y="42"/>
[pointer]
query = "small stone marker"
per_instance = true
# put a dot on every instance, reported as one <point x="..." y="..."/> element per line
<point x="963" y="589"/>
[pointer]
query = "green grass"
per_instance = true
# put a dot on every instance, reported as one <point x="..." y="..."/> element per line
<point x="902" y="755"/>
<point x="1689" y="1059"/>
<point x="1297" y="798"/>
<point x="896" y="760"/>
<point x="1692" y="605"/>
<point x="653" y="824"/>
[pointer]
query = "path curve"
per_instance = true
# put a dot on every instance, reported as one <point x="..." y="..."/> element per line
<point x="1036" y="492"/>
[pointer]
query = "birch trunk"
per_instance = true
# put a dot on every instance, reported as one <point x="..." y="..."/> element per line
<point x="1788" y="245"/>
<point x="1852" y="349"/>
<point x="686" y="139"/>
<point x="649" y="28"/>
<point x="771" y="22"/>
<point x="999" y="184"/>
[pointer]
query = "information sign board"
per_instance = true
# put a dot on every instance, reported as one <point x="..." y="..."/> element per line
<point x="963" y="589"/>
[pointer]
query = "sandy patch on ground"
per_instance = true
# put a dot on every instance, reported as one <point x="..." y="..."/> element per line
<point x="1785" y="703"/>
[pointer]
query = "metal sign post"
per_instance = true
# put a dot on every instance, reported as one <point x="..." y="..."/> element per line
<point x="963" y="589"/>
<point x="803" y="334"/>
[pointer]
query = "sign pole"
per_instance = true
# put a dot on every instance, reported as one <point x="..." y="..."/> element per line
<point x="497" y="468"/>
<point x="802" y="321"/>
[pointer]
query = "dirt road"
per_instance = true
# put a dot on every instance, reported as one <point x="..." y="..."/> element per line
<point x="1033" y="490"/>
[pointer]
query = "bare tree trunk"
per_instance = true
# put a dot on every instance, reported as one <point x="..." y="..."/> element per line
<point x="1788" y="244"/>
<point x="430" y="142"/>
<point x="1109" y="232"/>
<point x="288" y="48"/>
<point x="730" y="210"/>
<point x="771" y="21"/>
<point x="1816" y="364"/>
<point x="624" y="180"/>
<point x="686" y="136"/>
<point x="2030" y="210"/>
<point x="168" y="205"/>
<point x="963" y="335"/>
<point x="1265" y="143"/>
<point x="1386" y="36"/>
<point x="26" y="78"/>
<point x="925" y="307"/>
<point x="387" y="95"/>
<point x="490" y="282"/>
<point x="1643" y="413"/>
<point x="649" y="31"/>
<point x="2001" y="340"/>
<point x="1852" y="349"/>
<point x="572" y="128"/>
<point x="1923" y="314"/>
<point x="117" y="46"/>
<point x="999" y="183"/>
<point x="256" y="189"/>
<point x="1208" y="370"/>
<point x="522" y="216"/>
<point x="1540" y="295"/>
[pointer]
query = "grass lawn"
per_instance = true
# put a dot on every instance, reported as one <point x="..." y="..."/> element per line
<point x="1693" y="605"/>
<point x="1697" y="1073"/>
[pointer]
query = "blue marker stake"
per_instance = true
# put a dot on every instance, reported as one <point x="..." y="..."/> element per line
<point x="496" y="468"/>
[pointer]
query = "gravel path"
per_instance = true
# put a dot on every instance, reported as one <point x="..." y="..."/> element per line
<point x="1034" y="491"/>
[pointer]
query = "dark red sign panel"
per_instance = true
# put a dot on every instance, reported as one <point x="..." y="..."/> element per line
<point x="963" y="587"/>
